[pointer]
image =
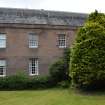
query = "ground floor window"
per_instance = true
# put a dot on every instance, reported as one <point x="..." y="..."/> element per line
<point x="33" y="66"/>
<point x="2" y="68"/>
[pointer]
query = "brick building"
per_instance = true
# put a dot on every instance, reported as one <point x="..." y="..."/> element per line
<point x="31" y="40"/>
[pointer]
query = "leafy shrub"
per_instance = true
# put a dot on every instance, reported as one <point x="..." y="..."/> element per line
<point x="40" y="82"/>
<point x="64" y="84"/>
<point x="59" y="70"/>
<point x="20" y="82"/>
<point x="88" y="55"/>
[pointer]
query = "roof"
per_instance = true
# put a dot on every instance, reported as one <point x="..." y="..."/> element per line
<point x="32" y="16"/>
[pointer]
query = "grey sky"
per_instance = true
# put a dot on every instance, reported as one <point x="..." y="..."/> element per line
<point x="85" y="6"/>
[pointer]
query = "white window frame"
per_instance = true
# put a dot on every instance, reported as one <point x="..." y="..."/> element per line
<point x="33" y="65"/>
<point x="3" y="66"/>
<point x="62" y="39"/>
<point x="33" y="40"/>
<point x="2" y="40"/>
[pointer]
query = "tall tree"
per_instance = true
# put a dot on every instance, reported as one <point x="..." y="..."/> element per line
<point x="88" y="54"/>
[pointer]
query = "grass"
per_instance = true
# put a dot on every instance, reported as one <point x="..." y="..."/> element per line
<point x="51" y="97"/>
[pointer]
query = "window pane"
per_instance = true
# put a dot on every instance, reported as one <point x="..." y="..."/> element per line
<point x="33" y="40"/>
<point x="2" y="62"/>
<point x="2" y="43"/>
<point x="61" y="40"/>
<point x="33" y="66"/>
<point x="1" y="70"/>
<point x="2" y="40"/>
<point x="2" y="67"/>
<point x="2" y="36"/>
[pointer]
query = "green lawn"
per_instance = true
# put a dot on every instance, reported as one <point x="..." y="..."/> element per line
<point x="50" y="97"/>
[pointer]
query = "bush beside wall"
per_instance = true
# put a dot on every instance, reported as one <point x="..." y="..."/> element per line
<point x="59" y="76"/>
<point x="20" y="82"/>
<point x="59" y="70"/>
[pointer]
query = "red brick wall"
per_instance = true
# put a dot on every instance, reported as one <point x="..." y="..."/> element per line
<point x="18" y="53"/>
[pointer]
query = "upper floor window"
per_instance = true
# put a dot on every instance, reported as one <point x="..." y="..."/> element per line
<point x="33" y="66"/>
<point x="62" y="41"/>
<point x="2" y="68"/>
<point x="2" y="40"/>
<point x="33" y="40"/>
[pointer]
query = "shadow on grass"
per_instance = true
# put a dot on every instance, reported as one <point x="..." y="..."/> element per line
<point x="84" y="92"/>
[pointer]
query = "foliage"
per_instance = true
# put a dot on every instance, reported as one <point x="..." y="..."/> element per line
<point x="13" y="82"/>
<point x="59" y="70"/>
<point x="64" y="84"/>
<point x="41" y="82"/>
<point x="97" y="17"/>
<point x="66" y="59"/>
<point x="88" y="54"/>
<point x="20" y="82"/>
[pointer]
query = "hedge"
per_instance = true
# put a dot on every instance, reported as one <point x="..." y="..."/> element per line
<point x="20" y="82"/>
